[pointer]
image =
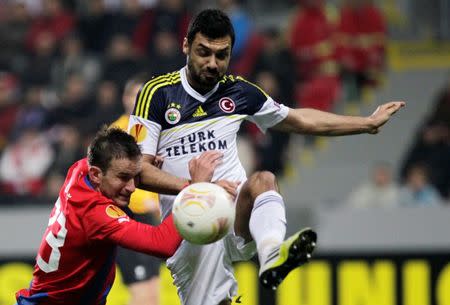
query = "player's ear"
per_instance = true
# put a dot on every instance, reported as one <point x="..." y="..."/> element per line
<point x="185" y="46"/>
<point x="95" y="175"/>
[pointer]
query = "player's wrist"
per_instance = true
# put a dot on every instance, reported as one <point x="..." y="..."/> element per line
<point x="369" y="124"/>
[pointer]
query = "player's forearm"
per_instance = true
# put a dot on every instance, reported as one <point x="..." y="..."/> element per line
<point x="316" y="122"/>
<point x="158" y="181"/>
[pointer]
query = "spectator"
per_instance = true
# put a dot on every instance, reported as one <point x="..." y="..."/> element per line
<point x="379" y="192"/>
<point x="128" y="99"/>
<point x="37" y="71"/>
<point x="75" y="60"/>
<point x="31" y="112"/>
<point x="166" y="56"/>
<point x="9" y="106"/>
<point x="432" y="146"/>
<point x="361" y="43"/>
<point x="273" y="73"/>
<point x="271" y="148"/>
<point x="242" y="24"/>
<point x="417" y="190"/>
<point x="121" y="62"/>
<point x="107" y="102"/>
<point x="93" y="26"/>
<point x="314" y="50"/>
<point x="441" y="110"/>
<point x="33" y="7"/>
<point x="68" y="148"/>
<point x="21" y="174"/>
<point x="168" y="16"/>
<point x="275" y="57"/>
<point x="125" y="20"/>
<point x="55" y="23"/>
<point x="13" y="31"/>
<point x="74" y="105"/>
<point x="373" y="30"/>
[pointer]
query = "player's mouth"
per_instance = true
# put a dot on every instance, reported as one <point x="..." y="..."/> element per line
<point x="210" y="75"/>
<point x="124" y="197"/>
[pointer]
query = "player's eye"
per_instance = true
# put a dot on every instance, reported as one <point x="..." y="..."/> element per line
<point x="222" y="55"/>
<point x="125" y="178"/>
<point x="203" y="52"/>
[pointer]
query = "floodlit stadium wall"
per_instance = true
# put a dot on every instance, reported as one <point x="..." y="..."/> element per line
<point x="365" y="257"/>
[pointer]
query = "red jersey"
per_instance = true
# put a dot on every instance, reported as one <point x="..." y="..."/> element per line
<point x="76" y="259"/>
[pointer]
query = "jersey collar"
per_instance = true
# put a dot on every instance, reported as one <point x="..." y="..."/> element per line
<point x="191" y="91"/>
<point x="88" y="182"/>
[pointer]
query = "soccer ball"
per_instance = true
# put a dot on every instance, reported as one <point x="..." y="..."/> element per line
<point x="203" y="213"/>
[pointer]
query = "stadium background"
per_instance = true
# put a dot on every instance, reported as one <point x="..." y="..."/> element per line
<point x="366" y="255"/>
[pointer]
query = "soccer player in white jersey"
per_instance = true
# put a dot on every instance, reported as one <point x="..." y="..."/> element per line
<point x="198" y="108"/>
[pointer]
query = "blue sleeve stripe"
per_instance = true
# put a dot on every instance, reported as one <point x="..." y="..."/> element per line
<point x="35" y="299"/>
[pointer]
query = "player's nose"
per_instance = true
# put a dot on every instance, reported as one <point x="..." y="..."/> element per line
<point x="212" y="63"/>
<point x="131" y="186"/>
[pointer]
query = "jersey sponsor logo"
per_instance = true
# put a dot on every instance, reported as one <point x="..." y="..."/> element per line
<point x="199" y="112"/>
<point x="115" y="212"/>
<point x="173" y="114"/>
<point x="139" y="132"/>
<point x="227" y="105"/>
<point x="197" y="142"/>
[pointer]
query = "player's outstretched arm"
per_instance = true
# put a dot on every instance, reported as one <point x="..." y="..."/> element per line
<point x="316" y="122"/>
<point x="161" y="241"/>
<point x="201" y="168"/>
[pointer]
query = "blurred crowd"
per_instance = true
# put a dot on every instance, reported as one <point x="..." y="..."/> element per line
<point x="64" y="65"/>
<point x="424" y="178"/>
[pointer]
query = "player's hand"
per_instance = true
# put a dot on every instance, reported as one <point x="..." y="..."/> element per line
<point x="229" y="186"/>
<point x="202" y="167"/>
<point x="382" y="114"/>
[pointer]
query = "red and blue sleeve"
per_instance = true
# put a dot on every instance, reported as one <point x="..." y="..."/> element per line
<point x="108" y="222"/>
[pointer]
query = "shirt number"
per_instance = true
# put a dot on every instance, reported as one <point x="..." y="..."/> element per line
<point x="55" y="239"/>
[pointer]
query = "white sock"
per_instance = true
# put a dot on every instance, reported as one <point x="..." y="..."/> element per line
<point x="268" y="223"/>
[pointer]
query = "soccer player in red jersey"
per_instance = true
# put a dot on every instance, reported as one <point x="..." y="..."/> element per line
<point x="76" y="259"/>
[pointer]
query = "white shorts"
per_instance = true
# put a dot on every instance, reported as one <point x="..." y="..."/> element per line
<point x="204" y="274"/>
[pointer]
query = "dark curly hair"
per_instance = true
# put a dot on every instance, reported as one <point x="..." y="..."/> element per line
<point x="213" y="24"/>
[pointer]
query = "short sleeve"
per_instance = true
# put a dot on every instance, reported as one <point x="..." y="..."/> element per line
<point x="149" y="104"/>
<point x="145" y="122"/>
<point x="146" y="133"/>
<point x="270" y="114"/>
<point x="261" y="108"/>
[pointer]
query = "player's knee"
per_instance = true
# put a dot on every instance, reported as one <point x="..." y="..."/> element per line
<point x="261" y="182"/>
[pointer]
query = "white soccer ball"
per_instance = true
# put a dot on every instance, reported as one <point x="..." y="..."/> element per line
<point x="203" y="213"/>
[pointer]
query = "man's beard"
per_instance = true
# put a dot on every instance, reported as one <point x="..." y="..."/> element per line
<point x="203" y="82"/>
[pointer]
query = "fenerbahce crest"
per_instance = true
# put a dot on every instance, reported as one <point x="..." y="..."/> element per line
<point x="173" y="114"/>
